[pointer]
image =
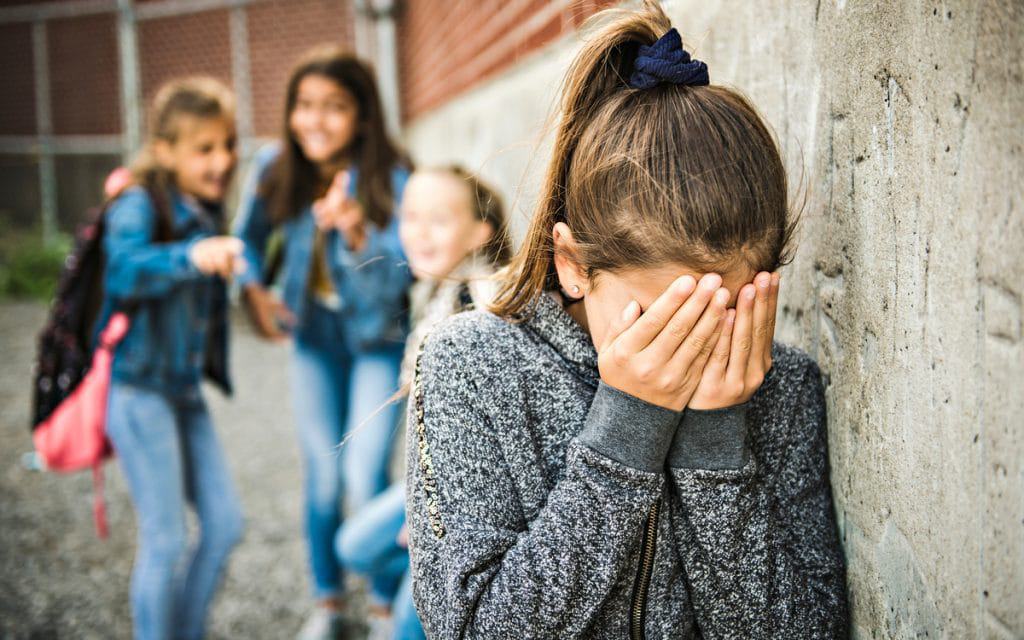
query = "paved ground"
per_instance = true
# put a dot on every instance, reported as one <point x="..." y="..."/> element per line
<point x="58" y="581"/>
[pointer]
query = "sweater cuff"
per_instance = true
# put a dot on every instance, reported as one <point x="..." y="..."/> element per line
<point x="629" y="430"/>
<point x="714" y="439"/>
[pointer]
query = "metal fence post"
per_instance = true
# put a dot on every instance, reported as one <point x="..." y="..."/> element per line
<point x="44" y="131"/>
<point x="241" y="78"/>
<point x="128" y="53"/>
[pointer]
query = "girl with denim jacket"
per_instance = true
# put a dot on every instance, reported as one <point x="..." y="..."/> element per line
<point x="167" y="267"/>
<point x="330" y="188"/>
<point x="618" y="449"/>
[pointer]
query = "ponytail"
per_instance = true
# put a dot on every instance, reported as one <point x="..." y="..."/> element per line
<point x="600" y="70"/>
<point x="645" y="174"/>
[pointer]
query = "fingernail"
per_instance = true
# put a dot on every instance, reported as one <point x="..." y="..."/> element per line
<point x="711" y="281"/>
<point x="722" y="296"/>
<point x="776" y="278"/>
<point x="686" y="284"/>
<point x="749" y="292"/>
<point x="763" y="281"/>
<point x="630" y="309"/>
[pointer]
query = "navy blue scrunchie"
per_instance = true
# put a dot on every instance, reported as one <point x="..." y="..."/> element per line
<point x="667" y="61"/>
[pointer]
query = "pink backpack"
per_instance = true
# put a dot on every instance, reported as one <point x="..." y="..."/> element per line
<point x="73" y="436"/>
<point x="72" y="377"/>
<point x="71" y="380"/>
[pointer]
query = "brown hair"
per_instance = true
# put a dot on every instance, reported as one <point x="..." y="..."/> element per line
<point x="671" y="174"/>
<point x="486" y="207"/>
<point x="199" y="97"/>
<point x="293" y="180"/>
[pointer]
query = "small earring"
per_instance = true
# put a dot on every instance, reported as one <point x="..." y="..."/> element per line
<point x="576" y="289"/>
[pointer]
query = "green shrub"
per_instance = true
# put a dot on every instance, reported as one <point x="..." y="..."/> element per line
<point x="29" y="267"/>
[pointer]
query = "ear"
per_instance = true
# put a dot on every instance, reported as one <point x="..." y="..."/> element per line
<point x="162" y="153"/>
<point x="571" y="275"/>
<point x="482" y="234"/>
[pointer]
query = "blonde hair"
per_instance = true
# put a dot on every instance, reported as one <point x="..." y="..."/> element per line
<point x="647" y="177"/>
<point x="486" y="206"/>
<point x="198" y="97"/>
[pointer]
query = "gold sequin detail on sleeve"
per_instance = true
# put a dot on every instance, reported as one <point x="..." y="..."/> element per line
<point x="423" y="454"/>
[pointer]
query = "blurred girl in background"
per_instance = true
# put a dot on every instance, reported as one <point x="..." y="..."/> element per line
<point x="167" y="266"/>
<point x="331" y="187"/>
<point x="453" y="231"/>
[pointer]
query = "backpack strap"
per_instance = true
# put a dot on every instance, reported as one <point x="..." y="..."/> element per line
<point x="99" y="502"/>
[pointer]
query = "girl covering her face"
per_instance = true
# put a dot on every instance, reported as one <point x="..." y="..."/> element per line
<point x="618" y="449"/>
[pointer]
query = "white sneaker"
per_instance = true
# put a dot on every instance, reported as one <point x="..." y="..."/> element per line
<point x="380" y="627"/>
<point x="322" y="624"/>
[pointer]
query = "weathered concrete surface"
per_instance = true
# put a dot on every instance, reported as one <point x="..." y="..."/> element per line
<point x="905" y="123"/>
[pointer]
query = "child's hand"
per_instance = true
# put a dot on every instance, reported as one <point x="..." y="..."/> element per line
<point x="218" y="256"/>
<point x="659" y="356"/>
<point x="268" y="313"/>
<point x="743" y="355"/>
<point x="336" y="210"/>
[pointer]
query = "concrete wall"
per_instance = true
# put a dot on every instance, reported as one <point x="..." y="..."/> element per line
<point x="905" y="123"/>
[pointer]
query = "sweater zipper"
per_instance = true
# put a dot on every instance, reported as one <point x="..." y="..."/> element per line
<point x="643" y="577"/>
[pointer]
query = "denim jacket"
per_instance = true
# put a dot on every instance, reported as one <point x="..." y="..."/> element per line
<point x="371" y="283"/>
<point x="179" y="315"/>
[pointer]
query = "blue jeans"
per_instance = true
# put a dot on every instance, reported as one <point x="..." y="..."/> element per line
<point x="346" y="427"/>
<point x="170" y="455"/>
<point x="368" y="544"/>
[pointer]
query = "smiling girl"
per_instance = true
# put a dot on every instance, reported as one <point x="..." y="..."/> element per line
<point x="453" y="230"/>
<point x="167" y="264"/>
<point x="332" y="187"/>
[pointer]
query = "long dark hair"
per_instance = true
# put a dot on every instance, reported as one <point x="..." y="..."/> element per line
<point x="293" y="180"/>
<point x="646" y="177"/>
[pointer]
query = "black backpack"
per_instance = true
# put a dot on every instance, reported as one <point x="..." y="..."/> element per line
<point x="65" y="344"/>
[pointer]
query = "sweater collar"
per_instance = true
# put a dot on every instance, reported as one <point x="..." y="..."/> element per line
<point x="549" y="321"/>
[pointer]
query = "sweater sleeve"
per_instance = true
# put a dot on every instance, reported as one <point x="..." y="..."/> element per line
<point x="137" y="267"/>
<point x="759" y="542"/>
<point x="481" y="568"/>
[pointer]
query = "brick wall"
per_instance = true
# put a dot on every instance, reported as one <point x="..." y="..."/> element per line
<point x="85" y="91"/>
<point x="279" y="33"/>
<point x="191" y="44"/>
<point x="446" y="47"/>
<point x="17" y="100"/>
<point x="84" y="68"/>
<point x="84" y="88"/>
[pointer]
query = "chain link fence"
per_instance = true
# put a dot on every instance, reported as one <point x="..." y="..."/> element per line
<point x="78" y="74"/>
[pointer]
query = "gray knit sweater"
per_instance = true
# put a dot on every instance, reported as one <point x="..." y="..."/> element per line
<point x="544" y="504"/>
